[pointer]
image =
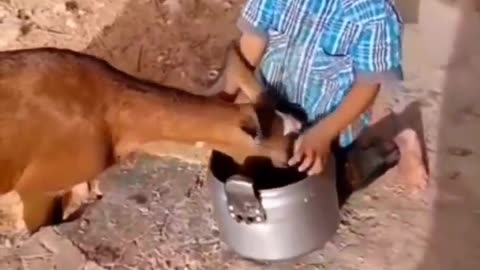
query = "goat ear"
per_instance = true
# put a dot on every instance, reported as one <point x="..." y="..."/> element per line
<point x="250" y="123"/>
<point x="239" y="73"/>
<point x="290" y="123"/>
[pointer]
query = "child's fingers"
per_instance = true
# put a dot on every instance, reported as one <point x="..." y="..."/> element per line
<point x="297" y="152"/>
<point x="297" y="156"/>
<point x="317" y="166"/>
<point x="307" y="161"/>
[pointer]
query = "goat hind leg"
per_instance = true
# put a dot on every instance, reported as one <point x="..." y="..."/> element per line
<point x="13" y="227"/>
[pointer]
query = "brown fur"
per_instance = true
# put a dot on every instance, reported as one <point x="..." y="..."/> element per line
<point x="66" y="116"/>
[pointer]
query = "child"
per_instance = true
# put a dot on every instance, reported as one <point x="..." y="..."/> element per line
<point x="329" y="57"/>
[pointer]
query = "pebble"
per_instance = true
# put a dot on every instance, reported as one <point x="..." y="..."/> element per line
<point x="394" y="216"/>
<point x="212" y="74"/>
<point x="84" y="224"/>
<point x="143" y="210"/>
<point x="71" y="23"/>
<point x="370" y="197"/>
<point x="160" y="58"/>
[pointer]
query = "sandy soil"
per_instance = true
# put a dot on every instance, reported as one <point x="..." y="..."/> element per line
<point x="181" y="43"/>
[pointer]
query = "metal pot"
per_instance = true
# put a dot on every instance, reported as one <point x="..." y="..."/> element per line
<point x="273" y="223"/>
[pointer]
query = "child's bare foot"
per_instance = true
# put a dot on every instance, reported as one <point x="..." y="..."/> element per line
<point x="411" y="167"/>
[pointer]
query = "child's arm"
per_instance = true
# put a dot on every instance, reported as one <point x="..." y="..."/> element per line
<point x="314" y="145"/>
<point x="360" y="98"/>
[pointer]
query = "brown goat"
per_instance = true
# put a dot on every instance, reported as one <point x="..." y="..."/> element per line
<point x="66" y="116"/>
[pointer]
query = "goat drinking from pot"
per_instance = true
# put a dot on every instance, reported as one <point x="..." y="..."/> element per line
<point x="66" y="116"/>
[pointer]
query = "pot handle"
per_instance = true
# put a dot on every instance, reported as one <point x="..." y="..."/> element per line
<point x="243" y="201"/>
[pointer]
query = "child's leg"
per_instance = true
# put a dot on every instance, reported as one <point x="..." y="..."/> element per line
<point x="411" y="167"/>
<point x="401" y="123"/>
<point x="359" y="164"/>
<point x="364" y="161"/>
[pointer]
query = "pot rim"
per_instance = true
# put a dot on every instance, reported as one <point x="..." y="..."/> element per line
<point x="272" y="192"/>
<point x="330" y="172"/>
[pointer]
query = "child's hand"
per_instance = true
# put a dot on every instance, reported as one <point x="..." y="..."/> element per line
<point x="312" y="149"/>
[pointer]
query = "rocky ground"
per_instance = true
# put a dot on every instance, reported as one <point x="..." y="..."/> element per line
<point x="155" y="215"/>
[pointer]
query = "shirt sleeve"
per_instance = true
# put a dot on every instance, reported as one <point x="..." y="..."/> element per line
<point x="257" y="16"/>
<point x="377" y="54"/>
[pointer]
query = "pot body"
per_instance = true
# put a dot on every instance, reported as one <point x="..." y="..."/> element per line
<point x="300" y="218"/>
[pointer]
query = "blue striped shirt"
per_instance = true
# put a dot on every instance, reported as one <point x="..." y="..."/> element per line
<point x="317" y="50"/>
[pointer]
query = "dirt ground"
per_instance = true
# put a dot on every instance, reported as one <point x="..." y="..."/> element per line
<point x="181" y="43"/>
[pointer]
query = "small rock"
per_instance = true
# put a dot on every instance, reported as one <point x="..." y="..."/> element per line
<point x="394" y="216"/>
<point x="212" y="74"/>
<point x="71" y="23"/>
<point x="160" y="58"/>
<point x="84" y="223"/>
<point x="143" y="210"/>
<point x="367" y="197"/>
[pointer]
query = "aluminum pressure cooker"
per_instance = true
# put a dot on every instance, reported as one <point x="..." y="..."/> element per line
<point x="268" y="214"/>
